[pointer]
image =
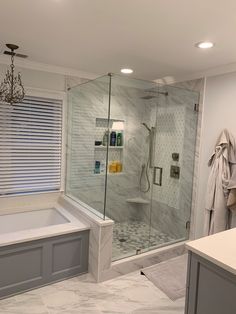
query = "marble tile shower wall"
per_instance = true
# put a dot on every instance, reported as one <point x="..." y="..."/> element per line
<point x="169" y="139"/>
<point x="89" y="102"/>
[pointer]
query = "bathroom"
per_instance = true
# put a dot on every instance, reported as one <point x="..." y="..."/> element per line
<point x="103" y="173"/>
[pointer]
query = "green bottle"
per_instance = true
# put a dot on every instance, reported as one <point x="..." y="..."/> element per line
<point x="119" y="140"/>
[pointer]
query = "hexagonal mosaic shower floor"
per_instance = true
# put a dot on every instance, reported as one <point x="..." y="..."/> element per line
<point x="130" y="236"/>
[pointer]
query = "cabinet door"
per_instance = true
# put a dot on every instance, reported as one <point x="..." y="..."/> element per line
<point x="212" y="290"/>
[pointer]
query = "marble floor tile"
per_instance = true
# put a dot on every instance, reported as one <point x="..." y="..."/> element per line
<point x="23" y="303"/>
<point x="129" y="294"/>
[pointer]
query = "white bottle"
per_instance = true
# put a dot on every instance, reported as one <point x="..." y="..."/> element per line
<point x="102" y="166"/>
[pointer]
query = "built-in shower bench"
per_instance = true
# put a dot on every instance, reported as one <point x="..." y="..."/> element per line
<point x="138" y="200"/>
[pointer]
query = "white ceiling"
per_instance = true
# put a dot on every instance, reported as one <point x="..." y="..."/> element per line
<point x="154" y="37"/>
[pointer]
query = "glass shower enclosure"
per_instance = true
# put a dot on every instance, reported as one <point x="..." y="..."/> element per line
<point x="130" y="158"/>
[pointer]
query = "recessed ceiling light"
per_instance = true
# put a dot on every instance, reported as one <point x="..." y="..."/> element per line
<point x="126" y="71"/>
<point x="204" y="44"/>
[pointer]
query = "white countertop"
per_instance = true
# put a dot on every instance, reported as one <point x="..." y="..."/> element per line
<point x="219" y="249"/>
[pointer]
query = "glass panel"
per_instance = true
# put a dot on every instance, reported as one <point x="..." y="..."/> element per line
<point x="129" y="178"/>
<point x="88" y="121"/>
<point x="130" y="157"/>
<point x="176" y="127"/>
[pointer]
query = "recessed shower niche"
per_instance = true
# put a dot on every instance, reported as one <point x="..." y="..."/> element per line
<point x="153" y="122"/>
<point x="109" y="135"/>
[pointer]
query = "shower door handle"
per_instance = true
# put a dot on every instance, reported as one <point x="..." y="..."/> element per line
<point x="157" y="178"/>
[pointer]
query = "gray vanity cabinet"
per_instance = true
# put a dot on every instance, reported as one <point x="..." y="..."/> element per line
<point x="210" y="289"/>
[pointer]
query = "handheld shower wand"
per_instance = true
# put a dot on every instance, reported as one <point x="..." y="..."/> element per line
<point x="149" y="163"/>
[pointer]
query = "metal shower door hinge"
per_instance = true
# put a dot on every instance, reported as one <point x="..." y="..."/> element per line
<point x="196" y="107"/>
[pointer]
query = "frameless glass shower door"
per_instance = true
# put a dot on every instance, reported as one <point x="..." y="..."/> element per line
<point x="128" y="195"/>
<point x="171" y="201"/>
<point x="150" y="199"/>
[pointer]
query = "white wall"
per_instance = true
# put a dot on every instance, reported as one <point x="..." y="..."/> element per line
<point x="38" y="79"/>
<point x="219" y="112"/>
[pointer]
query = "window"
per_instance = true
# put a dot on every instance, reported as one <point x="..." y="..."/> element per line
<point x="30" y="146"/>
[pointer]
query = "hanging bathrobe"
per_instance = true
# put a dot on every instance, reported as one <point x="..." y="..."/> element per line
<point x="217" y="214"/>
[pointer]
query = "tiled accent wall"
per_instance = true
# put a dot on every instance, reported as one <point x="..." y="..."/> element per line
<point x="169" y="139"/>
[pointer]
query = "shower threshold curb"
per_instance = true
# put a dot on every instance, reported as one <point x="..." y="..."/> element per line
<point x="137" y="262"/>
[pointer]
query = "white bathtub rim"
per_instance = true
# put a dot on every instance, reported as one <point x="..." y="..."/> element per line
<point x="74" y="225"/>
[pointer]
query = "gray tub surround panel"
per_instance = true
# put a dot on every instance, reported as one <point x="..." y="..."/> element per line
<point x="32" y="264"/>
<point x="100" y="243"/>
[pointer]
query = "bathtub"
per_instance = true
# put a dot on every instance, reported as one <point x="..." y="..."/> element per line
<point x="31" y="220"/>
<point x="39" y="247"/>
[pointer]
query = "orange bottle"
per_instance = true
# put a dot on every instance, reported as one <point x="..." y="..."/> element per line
<point x="112" y="167"/>
<point x="118" y="166"/>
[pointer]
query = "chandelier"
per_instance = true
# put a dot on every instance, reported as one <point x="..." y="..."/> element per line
<point x="12" y="89"/>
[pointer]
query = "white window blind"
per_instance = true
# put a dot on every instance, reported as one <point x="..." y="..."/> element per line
<point x="30" y="146"/>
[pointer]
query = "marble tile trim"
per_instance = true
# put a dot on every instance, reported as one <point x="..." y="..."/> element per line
<point x="100" y="239"/>
<point x="137" y="262"/>
<point x="85" y="213"/>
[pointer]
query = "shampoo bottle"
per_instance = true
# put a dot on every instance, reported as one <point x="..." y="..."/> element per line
<point x="113" y="138"/>
<point x="97" y="167"/>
